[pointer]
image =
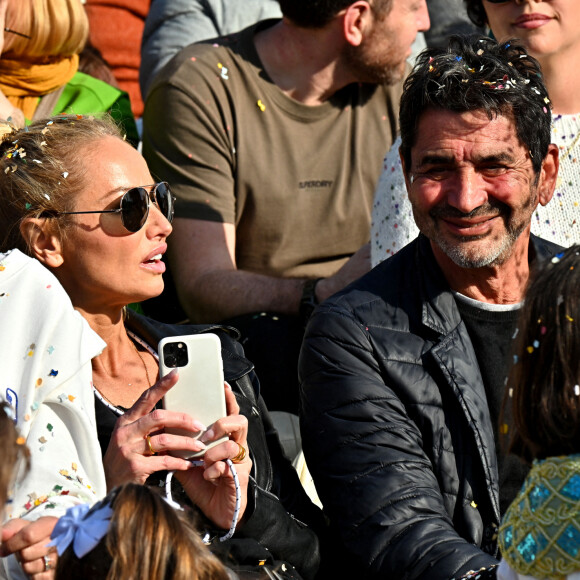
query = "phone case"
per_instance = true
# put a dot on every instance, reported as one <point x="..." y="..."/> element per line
<point x="199" y="392"/>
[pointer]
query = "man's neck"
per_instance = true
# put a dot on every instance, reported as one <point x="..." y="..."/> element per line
<point x="304" y="63"/>
<point x="497" y="284"/>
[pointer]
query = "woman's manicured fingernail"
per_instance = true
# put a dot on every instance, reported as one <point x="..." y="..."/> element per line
<point x="199" y="426"/>
<point x="200" y="445"/>
<point x="208" y="435"/>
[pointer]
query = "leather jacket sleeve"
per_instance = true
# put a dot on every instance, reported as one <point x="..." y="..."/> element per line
<point x="368" y="461"/>
<point x="280" y="516"/>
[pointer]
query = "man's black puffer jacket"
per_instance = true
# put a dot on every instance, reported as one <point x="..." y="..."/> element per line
<point x="395" y="424"/>
<point x="279" y="511"/>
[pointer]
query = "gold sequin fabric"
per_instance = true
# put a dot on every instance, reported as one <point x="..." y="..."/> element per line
<point x="540" y="533"/>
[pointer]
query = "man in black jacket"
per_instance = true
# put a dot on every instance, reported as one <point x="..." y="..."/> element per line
<point x="403" y="372"/>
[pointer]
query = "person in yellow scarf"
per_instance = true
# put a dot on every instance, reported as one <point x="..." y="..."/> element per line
<point x="40" y="43"/>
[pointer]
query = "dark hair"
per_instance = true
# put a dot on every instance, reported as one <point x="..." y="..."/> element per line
<point x="475" y="73"/>
<point x="318" y="13"/>
<point x="146" y="540"/>
<point x="476" y="12"/>
<point x="545" y="401"/>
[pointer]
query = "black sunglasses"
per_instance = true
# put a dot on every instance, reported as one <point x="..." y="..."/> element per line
<point x="135" y="205"/>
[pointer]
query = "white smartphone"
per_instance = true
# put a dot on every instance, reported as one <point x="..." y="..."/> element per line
<point x="199" y="392"/>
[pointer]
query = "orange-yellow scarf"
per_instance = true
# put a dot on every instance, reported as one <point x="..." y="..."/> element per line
<point x="23" y="83"/>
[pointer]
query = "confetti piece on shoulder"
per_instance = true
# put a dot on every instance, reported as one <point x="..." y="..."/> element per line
<point x="53" y="373"/>
<point x="261" y="105"/>
<point x="71" y="398"/>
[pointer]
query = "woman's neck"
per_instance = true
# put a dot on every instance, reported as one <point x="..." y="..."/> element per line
<point x="122" y="372"/>
<point x="563" y="86"/>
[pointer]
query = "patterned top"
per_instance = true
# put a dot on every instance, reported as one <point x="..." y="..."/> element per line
<point x="540" y="532"/>
<point x="47" y="348"/>
<point x="393" y="225"/>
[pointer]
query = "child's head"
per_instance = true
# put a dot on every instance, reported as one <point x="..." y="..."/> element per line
<point x="138" y="537"/>
<point x="545" y="379"/>
<point x="12" y="449"/>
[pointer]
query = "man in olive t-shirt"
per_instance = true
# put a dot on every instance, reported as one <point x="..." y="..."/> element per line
<point x="272" y="140"/>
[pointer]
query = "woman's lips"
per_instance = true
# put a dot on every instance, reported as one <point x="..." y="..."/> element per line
<point x="529" y="21"/>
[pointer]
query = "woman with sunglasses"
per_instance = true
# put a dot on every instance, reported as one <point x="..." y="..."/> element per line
<point x="550" y="31"/>
<point x="82" y="202"/>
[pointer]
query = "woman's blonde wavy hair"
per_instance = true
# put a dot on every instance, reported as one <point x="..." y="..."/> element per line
<point x="147" y="540"/>
<point x="56" y="28"/>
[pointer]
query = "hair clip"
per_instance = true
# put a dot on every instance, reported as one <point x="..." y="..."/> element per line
<point x="6" y="29"/>
<point x="82" y="528"/>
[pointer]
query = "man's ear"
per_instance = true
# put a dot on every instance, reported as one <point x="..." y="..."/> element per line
<point x="358" y="20"/>
<point x="43" y="241"/>
<point x="548" y="175"/>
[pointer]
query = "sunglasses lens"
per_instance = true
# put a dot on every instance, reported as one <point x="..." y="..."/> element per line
<point x="135" y="208"/>
<point x="164" y="200"/>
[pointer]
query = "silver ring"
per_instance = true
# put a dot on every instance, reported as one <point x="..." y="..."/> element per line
<point x="47" y="564"/>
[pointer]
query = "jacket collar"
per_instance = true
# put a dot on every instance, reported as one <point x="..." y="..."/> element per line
<point x="152" y="331"/>
<point x="439" y="311"/>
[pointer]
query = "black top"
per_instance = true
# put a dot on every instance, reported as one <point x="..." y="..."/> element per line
<point x="491" y="333"/>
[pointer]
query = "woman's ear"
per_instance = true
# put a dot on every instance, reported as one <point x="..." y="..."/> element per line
<point x="43" y="242"/>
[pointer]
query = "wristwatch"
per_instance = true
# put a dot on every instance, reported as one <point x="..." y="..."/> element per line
<point x="308" y="302"/>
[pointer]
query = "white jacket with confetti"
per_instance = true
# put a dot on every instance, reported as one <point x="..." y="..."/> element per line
<point x="46" y="350"/>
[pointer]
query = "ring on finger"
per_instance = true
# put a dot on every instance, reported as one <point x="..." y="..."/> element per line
<point x="241" y="454"/>
<point x="47" y="562"/>
<point x="149" y="451"/>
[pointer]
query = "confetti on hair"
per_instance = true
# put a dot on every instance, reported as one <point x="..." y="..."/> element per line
<point x="577" y="390"/>
<point x="530" y="349"/>
<point x="65" y="174"/>
<point x="569" y="318"/>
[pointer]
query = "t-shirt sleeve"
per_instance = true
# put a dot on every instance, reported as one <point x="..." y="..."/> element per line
<point x="188" y="141"/>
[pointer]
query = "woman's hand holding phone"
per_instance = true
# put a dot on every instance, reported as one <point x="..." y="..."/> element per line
<point x="128" y="457"/>
<point x="211" y="487"/>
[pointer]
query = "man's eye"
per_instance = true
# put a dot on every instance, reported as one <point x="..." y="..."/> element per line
<point x="494" y="169"/>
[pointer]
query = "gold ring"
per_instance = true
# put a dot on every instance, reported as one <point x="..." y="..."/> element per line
<point x="241" y="454"/>
<point x="47" y="564"/>
<point x="149" y="451"/>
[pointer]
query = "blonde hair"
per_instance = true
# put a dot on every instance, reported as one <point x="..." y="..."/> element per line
<point x="42" y="170"/>
<point x="57" y="28"/>
<point x="12" y="449"/>
<point x="147" y="540"/>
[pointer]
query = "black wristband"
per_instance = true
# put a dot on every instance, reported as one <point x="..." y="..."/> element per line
<point x="308" y="302"/>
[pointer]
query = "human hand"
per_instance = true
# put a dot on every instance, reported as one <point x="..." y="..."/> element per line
<point x="128" y="457"/>
<point x="357" y="265"/>
<point x="29" y="542"/>
<point x="211" y="487"/>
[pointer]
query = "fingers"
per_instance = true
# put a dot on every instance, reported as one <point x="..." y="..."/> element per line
<point x="232" y="407"/>
<point x="17" y="535"/>
<point x="29" y="542"/>
<point x="168" y="443"/>
<point x="147" y="401"/>
<point x="233" y="426"/>
<point x="214" y="461"/>
<point x="39" y="561"/>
